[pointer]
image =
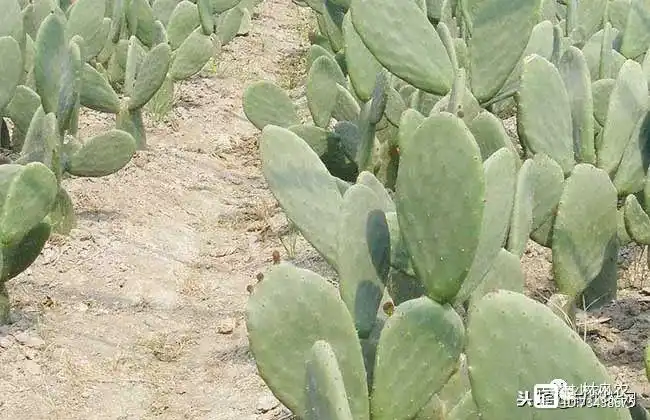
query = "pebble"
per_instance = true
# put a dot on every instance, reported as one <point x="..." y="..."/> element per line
<point x="29" y="340"/>
<point x="226" y="326"/>
<point x="5" y="342"/>
<point x="81" y="307"/>
<point x="617" y="350"/>
<point x="267" y="403"/>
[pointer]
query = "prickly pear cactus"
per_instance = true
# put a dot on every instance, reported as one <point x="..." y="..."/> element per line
<point x="27" y="194"/>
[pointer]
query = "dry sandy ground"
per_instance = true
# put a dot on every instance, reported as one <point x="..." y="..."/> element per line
<point x="139" y="313"/>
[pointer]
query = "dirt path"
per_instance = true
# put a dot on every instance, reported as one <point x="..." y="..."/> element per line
<point x="139" y="314"/>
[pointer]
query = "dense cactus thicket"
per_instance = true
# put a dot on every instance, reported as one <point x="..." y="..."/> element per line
<point x="110" y="56"/>
<point x="406" y="181"/>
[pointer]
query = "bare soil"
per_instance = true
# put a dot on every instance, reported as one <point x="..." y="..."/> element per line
<point x="139" y="313"/>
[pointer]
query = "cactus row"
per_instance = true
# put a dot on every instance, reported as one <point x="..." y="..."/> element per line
<point x="112" y="56"/>
<point x="406" y="181"/>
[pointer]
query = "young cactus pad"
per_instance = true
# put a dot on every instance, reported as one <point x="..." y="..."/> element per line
<point x="266" y="103"/>
<point x="585" y="225"/>
<point x="301" y="183"/>
<point x="364" y="255"/>
<point x="440" y="202"/>
<point x="403" y="40"/>
<point x="513" y="343"/>
<point x="419" y="348"/>
<point x="327" y="398"/>
<point x="27" y="194"/>
<point x="102" y="155"/>
<point x="288" y="312"/>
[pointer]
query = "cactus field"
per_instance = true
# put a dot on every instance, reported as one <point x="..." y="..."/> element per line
<point x="324" y="209"/>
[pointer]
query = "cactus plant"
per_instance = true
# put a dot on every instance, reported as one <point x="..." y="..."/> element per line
<point x="342" y="348"/>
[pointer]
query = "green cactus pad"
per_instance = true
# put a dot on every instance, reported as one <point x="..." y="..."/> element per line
<point x="96" y="92"/>
<point x="505" y="273"/>
<point x="246" y="23"/>
<point x="522" y="211"/>
<point x="409" y="123"/>
<point x="182" y="22"/>
<point x="265" y="103"/>
<point x="540" y="43"/>
<point x="547" y="183"/>
<point x="490" y="134"/>
<point x="421" y="59"/>
<point x="11" y="20"/>
<point x="545" y="349"/>
<point x="326" y="394"/>
<point x="303" y="186"/>
<point x="542" y="128"/>
<point x="332" y="17"/>
<point x="132" y="123"/>
<point x="322" y="94"/>
<point x="577" y="81"/>
<point x="500" y="180"/>
<point x="11" y="68"/>
<point x="17" y="257"/>
<point x="607" y="65"/>
<point x="68" y="101"/>
<point x="220" y="6"/>
<point x="134" y="56"/>
<point x="628" y="102"/>
<point x="151" y="75"/>
<point x="22" y="107"/>
<point x="362" y="65"/>
<point x="205" y="14"/>
<point x="489" y="67"/>
<point x="369" y="180"/>
<point x="602" y="90"/>
<point x="441" y="218"/>
<point x="347" y="108"/>
<point x="162" y="101"/>
<point x="228" y="24"/>
<point x="363" y="255"/>
<point x="630" y="175"/>
<point x="27" y="193"/>
<point x="86" y="18"/>
<point x="461" y="100"/>
<point x="141" y="21"/>
<point x="636" y="37"/>
<point x="637" y="221"/>
<point x="622" y="233"/>
<point x="590" y="15"/>
<point x="585" y="225"/>
<point x="317" y="138"/>
<point x="192" y="55"/>
<point x="289" y="311"/>
<point x="457" y="386"/>
<point x="62" y="217"/>
<point x="97" y="43"/>
<point x="163" y="9"/>
<point x="41" y="142"/>
<point x="395" y="106"/>
<point x="314" y="52"/>
<point x="51" y="61"/>
<point x="102" y="155"/>
<point x="420" y="366"/>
